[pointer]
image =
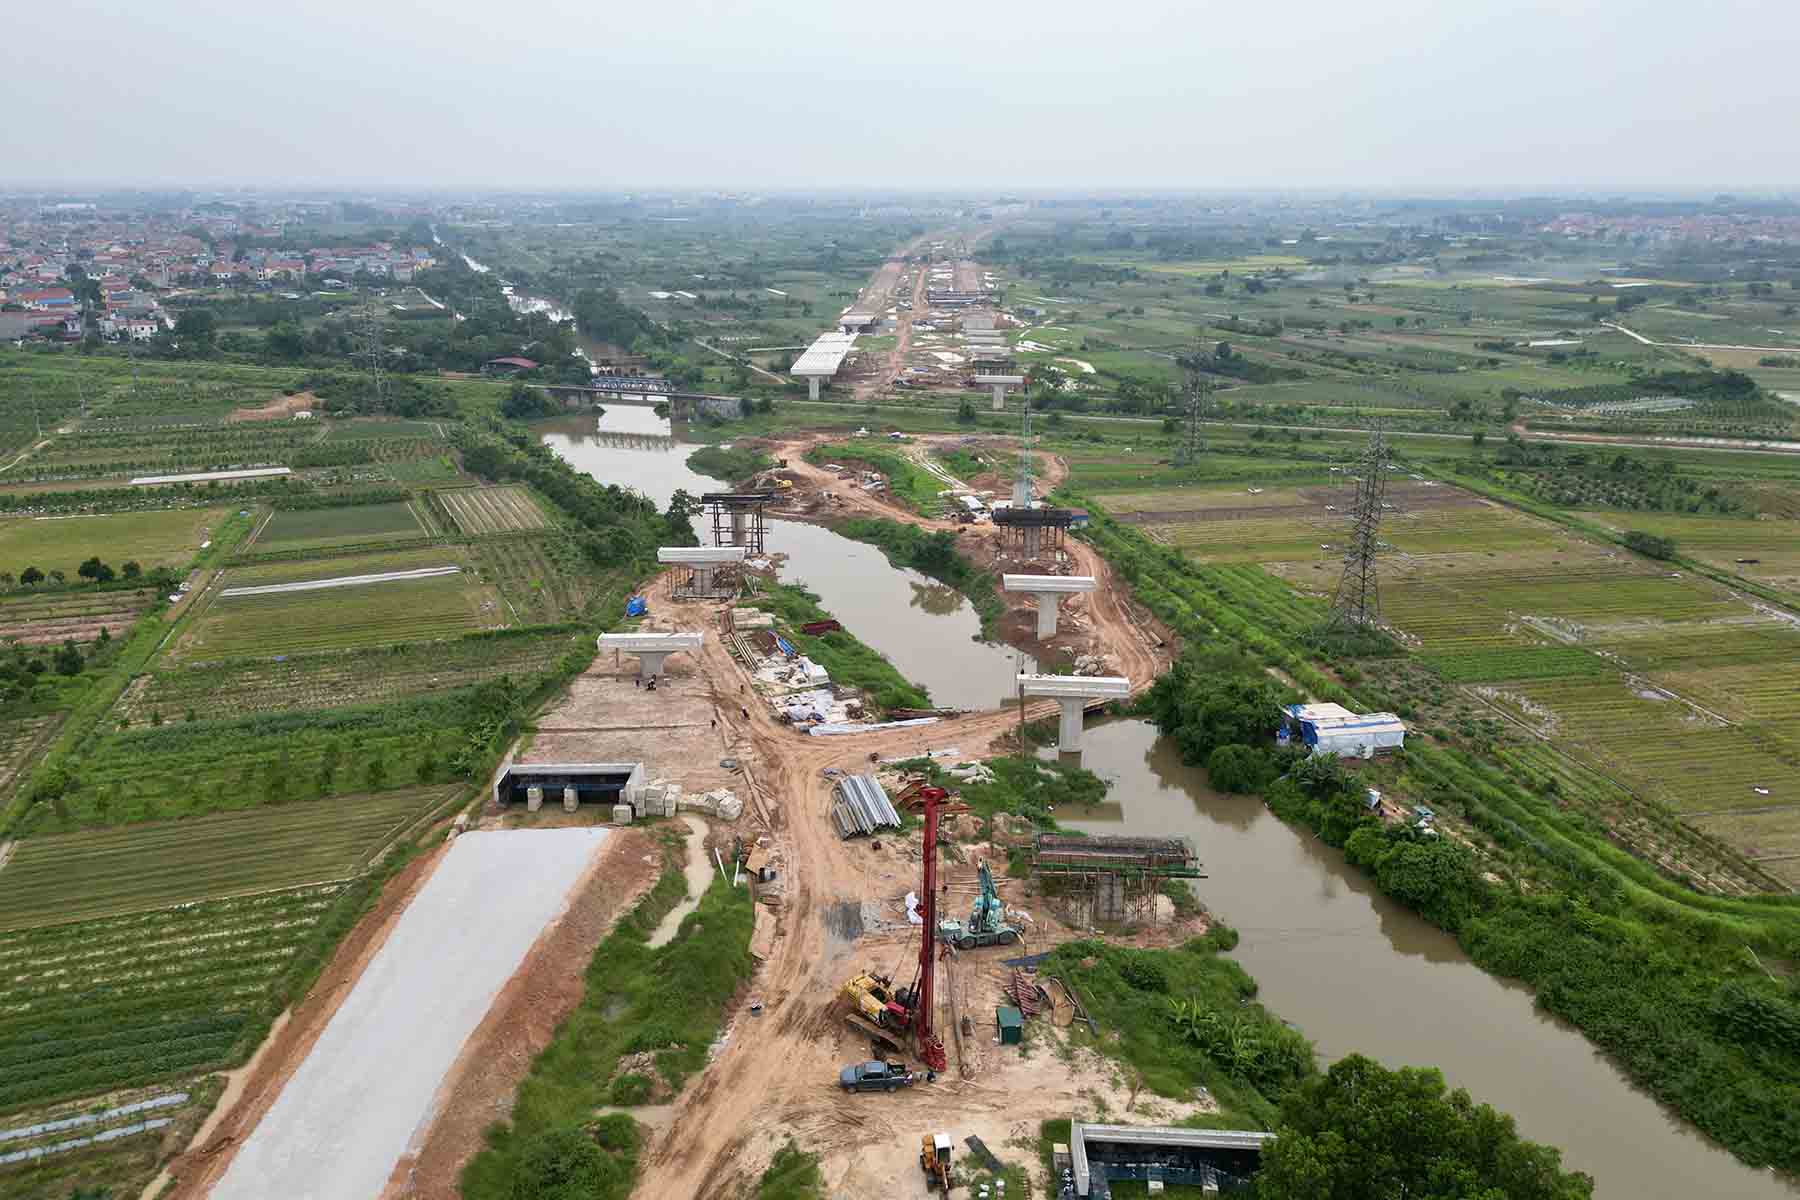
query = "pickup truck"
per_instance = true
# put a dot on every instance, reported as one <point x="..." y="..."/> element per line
<point x="875" y="1076"/>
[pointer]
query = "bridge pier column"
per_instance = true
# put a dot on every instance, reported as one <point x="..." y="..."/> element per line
<point x="650" y="662"/>
<point x="1046" y="614"/>
<point x="812" y="387"/>
<point x="740" y="527"/>
<point x="1034" y="540"/>
<point x="999" y="397"/>
<point x="1068" y="732"/>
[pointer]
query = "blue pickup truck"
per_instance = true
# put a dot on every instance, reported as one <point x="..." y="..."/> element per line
<point x="875" y="1076"/>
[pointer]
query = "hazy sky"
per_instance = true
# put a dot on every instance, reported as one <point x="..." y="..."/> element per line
<point x="802" y="93"/>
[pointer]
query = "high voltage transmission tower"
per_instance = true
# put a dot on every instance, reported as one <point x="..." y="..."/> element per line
<point x="368" y="348"/>
<point x="1357" y="602"/>
<point x="1199" y="389"/>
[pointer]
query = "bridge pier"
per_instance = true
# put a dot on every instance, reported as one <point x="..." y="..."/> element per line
<point x="812" y="387"/>
<point x="1047" y="590"/>
<point x="652" y="649"/>
<point x="1072" y="694"/>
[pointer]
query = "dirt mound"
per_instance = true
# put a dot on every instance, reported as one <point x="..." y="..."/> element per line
<point x="280" y="409"/>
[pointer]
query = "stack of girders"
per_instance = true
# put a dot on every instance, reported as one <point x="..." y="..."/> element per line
<point x="859" y="806"/>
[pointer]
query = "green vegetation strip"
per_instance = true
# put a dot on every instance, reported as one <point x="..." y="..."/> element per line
<point x="733" y="464"/>
<point x="666" y="1003"/>
<point x="850" y="662"/>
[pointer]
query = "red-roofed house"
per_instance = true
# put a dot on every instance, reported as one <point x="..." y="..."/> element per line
<point x="46" y="299"/>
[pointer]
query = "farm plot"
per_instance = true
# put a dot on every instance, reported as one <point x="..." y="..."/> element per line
<point x="1771" y="838"/>
<point x="94" y="1006"/>
<point x="506" y="509"/>
<point x="329" y="679"/>
<point x="105" y="873"/>
<point x="402" y="610"/>
<point x="1657" y="744"/>
<point x="544" y="579"/>
<point x="307" y="529"/>
<point x="52" y="618"/>
<point x="1724" y="543"/>
<point x="191" y="767"/>
<point x="157" y="538"/>
<point x="18" y="739"/>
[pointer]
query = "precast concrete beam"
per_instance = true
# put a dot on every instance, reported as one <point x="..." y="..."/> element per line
<point x="652" y="649"/>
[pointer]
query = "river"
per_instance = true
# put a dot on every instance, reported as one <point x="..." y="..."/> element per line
<point x="1357" y="972"/>
<point x="927" y="630"/>
<point x="1352" y="969"/>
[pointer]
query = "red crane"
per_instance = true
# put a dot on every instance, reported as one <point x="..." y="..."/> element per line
<point x="931" y="1047"/>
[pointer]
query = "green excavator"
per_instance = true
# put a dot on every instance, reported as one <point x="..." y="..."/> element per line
<point x="987" y="925"/>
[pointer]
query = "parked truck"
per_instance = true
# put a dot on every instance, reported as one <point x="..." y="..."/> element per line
<point x="876" y="1076"/>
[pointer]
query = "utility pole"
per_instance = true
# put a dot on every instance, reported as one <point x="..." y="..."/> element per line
<point x="1357" y="602"/>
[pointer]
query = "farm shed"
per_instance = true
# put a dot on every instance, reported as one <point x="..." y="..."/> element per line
<point x="1334" y="729"/>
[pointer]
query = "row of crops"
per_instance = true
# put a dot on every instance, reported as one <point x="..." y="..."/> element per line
<point x="100" y="1005"/>
<point x="331" y="678"/>
<point x="505" y="509"/>
<point x="375" y="614"/>
<point x="106" y="872"/>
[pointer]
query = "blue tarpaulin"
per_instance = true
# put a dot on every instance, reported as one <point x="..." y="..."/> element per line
<point x="635" y="607"/>
<point x="785" y="646"/>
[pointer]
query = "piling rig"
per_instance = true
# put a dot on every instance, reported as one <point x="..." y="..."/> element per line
<point x="930" y="1046"/>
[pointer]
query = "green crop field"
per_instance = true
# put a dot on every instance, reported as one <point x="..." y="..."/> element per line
<point x="1764" y="550"/>
<point x="492" y="509"/>
<point x="329" y="679"/>
<point x="342" y="618"/>
<point x="157" y="538"/>
<point x="311" y="528"/>
<point x="165" y="994"/>
<point x="105" y="873"/>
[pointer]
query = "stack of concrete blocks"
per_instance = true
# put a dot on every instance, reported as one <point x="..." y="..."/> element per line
<point x="659" y="799"/>
<point x="720" y="802"/>
<point x="621" y="814"/>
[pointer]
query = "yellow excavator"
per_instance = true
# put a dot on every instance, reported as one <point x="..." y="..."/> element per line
<point x="875" y="997"/>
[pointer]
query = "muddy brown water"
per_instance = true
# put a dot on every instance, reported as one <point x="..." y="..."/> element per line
<point x="1358" y="973"/>
<point x="928" y="631"/>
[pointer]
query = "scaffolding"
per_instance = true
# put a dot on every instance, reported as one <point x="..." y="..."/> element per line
<point x="738" y="518"/>
<point x="1112" y="880"/>
<point x="1030" y="532"/>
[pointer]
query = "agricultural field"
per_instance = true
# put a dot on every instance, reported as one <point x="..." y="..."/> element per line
<point x="1729" y="544"/>
<point x="106" y="873"/>
<point x="367" y="614"/>
<point x="50" y="618"/>
<point x="348" y="525"/>
<point x="545" y="579"/>
<point x="163" y="995"/>
<point x="508" y="509"/>
<point x="155" y="538"/>
<point x="326" y="679"/>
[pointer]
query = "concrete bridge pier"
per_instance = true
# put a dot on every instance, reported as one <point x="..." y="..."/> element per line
<point x="652" y="649"/>
<point x="1047" y="590"/>
<point x="812" y="387"/>
<point x="1073" y="693"/>
<point x="1000" y="383"/>
<point x="704" y="561"/>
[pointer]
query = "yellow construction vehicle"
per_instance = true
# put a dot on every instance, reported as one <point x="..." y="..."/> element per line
<point x="875" y="998"/>
<point x="934" y="1160"/>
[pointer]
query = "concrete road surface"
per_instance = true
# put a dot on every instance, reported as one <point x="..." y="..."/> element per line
<point x="346" y="1116"/>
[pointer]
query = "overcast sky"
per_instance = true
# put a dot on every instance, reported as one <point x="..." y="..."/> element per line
<point x="805" y="93"/>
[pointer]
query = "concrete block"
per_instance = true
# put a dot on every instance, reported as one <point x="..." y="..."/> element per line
<point x="621" y="814"/>
<point x="1154" y="1187"/>
<point x="730" y="808"/>
<point x="570" y="800"/>
<point x="534" y="798"/>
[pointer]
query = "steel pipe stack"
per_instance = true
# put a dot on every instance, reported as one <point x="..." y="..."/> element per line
<point x="860" y="806"/>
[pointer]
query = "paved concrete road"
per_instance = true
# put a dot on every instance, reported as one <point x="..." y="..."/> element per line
<point x="346" y="1116"/>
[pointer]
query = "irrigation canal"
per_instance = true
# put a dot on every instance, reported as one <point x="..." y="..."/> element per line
<point x="1353" y="970"/>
